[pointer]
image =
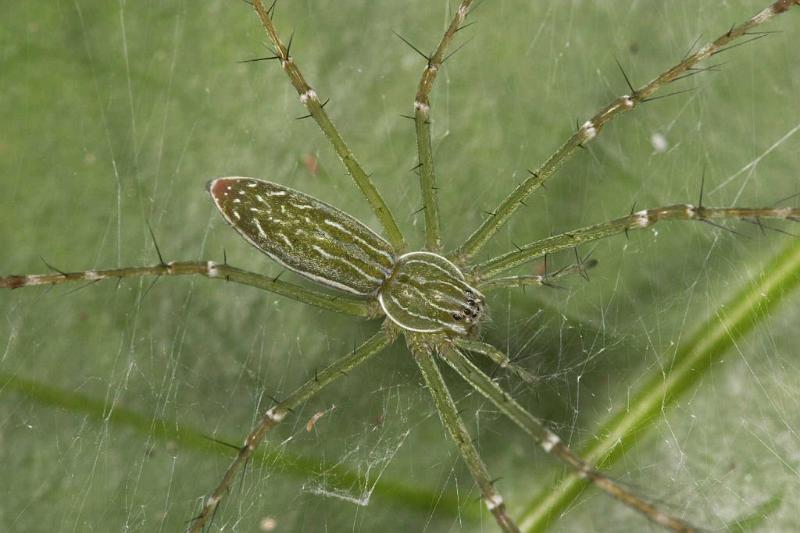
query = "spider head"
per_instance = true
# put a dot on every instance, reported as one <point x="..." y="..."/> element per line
<point x="428" y="293"/>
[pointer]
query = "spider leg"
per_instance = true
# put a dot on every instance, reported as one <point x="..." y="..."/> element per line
<point x="551" y="443"/>
<point x="210" y="269"/>
<point x="422" y="122"/>
<point x="638" y="220"/>
<point x="309" y="98"/>
<point x="592" y="127"/>
<point x="274" y="415"/>
<point x="451" y="420"/>
<point x="538" y="280"/>
<point x="497" y="357"/>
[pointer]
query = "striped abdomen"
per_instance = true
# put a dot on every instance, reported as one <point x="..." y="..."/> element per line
<point x="305" y="235"/>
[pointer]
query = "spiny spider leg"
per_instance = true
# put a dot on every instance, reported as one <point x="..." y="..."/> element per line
<point x="537" y="280"/>
<point x="496" y="356"/>
<point x="274" y="415"/>
<point x="212" y="270"/>
<point x="550" y="442"/>
<point x="309" y="98"/>
<point x="448" y="412"/>
<point x="638" y="220"/>
<point x="592" y="127"/>
<point x="422" y="108"/>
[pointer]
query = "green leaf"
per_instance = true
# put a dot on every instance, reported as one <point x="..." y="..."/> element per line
<point x="756" y="302"/>
<point x="116" y="114"/>
<point x="757" y="517"/>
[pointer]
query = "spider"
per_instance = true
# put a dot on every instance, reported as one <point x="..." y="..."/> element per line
<point x="389" y="280"/>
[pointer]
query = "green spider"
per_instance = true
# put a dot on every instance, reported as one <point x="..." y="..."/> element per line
<point x="432" y="297"/>
<point x="422" y="294"/>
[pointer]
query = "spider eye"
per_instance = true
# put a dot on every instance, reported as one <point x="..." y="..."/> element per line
<point x="457" y="316"/>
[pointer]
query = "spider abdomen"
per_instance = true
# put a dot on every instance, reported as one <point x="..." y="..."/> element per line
<point x="305" y="235"/>
<point x="428" y="293"/>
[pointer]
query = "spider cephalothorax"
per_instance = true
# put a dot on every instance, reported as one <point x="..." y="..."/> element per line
<point x="427" y="293"/>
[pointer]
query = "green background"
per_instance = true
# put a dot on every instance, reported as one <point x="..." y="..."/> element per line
<point x="116" y="113"/>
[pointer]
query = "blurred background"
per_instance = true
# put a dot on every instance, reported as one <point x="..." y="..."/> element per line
<point x="115" y="114"/>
